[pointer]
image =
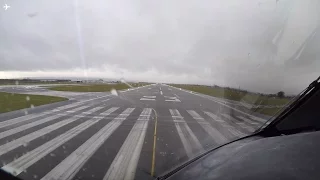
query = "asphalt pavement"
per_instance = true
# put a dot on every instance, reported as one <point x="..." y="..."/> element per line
<point x="138" y="133"/>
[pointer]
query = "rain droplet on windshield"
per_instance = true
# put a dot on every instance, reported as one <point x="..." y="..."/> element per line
<point x="35" y="176"/>
<point x="27" y="98"/>
<point x="32" y="106"/>
<point x="25" y="112"/>
<point x="114" y="92"/>
<point x="25" y="144"/>
<point x="14" y="173"/>
<point x="123" y="81"/>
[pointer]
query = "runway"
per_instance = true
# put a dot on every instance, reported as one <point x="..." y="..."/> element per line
<point x="138" y="134"/>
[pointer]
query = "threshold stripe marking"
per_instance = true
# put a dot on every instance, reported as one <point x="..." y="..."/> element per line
<point x="38" y="122"/>
<point x="216" y="135"/>
<point x="22" y="163"/>
<point x="34" y="135"/>
<point x="125" y="163"/>
<point x="229" y="128"/>
<point x="249" y="121"/>
<point x="32" y="116"/>
<point x="190" y="142"/>
<point x="242" y="124"/>
<point x="68" y="168"/>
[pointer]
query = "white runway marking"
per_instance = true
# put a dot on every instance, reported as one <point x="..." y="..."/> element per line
<point x="68" y="168"/>
<point x="242" y="124"/>
<point x="231" y="129"/>
<point x="25" y="161"/>
<point x="38" y="122"/>
<point x="216" y="135"/>
<point x="249" y="121"/>
<point x="31" y="116"/>
<point x="161" y="93"/>
<point x="172" y="99"/>
<point x="190" y="142"/>
<point x="148" y="98"/>
<point x="125" y="163"/>
<point x="105" y="100"/>
<point x="258" y="119"/>
<point x="34" y="135"/>
<point x="221" y="103"/>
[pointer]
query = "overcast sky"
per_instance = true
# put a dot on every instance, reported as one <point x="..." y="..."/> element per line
<point x="259" y="45"/>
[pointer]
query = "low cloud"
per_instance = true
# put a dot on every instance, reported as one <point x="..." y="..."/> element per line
<point x="263" y="46"/>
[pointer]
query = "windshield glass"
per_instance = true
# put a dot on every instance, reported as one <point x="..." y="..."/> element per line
<point x="132" y="89"/>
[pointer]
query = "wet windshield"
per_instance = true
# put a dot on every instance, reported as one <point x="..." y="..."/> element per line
<point x="132" y="89"/>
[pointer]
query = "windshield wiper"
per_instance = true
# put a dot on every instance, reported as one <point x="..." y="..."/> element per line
<point x="295" y="103"/>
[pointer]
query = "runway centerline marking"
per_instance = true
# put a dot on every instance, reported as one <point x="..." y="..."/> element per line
<point x="154" y="143"/>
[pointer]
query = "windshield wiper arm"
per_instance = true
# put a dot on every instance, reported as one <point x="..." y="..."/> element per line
<point x="296" y="102"/>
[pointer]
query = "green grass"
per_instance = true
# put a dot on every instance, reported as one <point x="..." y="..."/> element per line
<point x="138" y="84"/>
<point x="11" y="102"/>
<point x="35" y="83"/>
<point x="237" y="95"/>
<point x="267" y="111"/>
<point x="95" y="87"/>
<point x="90" y="87"/>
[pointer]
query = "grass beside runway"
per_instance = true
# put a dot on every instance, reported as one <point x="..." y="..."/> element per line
<point x="95" y="87"/>
<point x="238" y="95"/>
<point x="12" y="101"/>
<point x="267" y="111"/>
<point x="90" y="87"/>
<point x="139" y="84"/>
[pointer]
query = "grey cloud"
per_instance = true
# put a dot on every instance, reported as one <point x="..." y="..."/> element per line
<point x="31" y="15"/>
<point x="257" y="45"/>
